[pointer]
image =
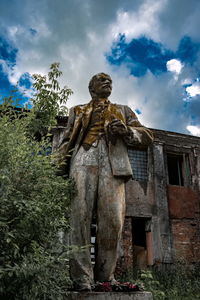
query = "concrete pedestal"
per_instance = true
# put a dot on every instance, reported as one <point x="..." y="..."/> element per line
<point x="109" y="296"/>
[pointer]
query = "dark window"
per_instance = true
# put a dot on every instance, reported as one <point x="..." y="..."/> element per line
<point x="178" y="169"/>
<point x="139" y="233"/>
<point x="138" y="160"/>
<point x="93" y="241"/>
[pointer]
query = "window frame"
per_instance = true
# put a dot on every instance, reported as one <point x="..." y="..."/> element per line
<point x="143" y="149"/>
<point x="186" y="172"/>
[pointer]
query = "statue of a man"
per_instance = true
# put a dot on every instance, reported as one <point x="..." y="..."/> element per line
<point x="96" y="137"/>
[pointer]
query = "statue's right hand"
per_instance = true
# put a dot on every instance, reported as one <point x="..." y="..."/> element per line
<point x="117" y="127"/>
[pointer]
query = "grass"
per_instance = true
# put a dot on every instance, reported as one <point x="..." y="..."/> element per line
<point x="179" y="282"/>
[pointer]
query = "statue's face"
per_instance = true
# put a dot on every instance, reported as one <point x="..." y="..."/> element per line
<point x="102" y="86"/>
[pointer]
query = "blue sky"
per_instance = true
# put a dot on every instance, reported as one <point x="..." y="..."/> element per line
<point x="151" y="49"/>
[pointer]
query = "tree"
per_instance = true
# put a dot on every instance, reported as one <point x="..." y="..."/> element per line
<point x="49" y="100"/>
<point x="34" y="202"/>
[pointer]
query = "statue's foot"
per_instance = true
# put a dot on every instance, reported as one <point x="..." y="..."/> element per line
<point x="114" y="281"/>
<point x="83" y="287"/>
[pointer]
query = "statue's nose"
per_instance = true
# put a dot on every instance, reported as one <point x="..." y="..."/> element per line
<point x="107" y="81"/>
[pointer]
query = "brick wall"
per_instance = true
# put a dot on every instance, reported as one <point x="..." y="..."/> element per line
<point x="185" y="225"/>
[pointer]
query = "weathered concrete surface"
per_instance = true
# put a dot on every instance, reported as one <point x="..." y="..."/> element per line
<point x="109" y="296"/>
<point x="125" y="251"/>
<point x="57" y="133"/>
<point x="162" y="243"/>
<point x="197" y="161"/>
<point x="177" y="140"/>
<point x="139" y="199"/>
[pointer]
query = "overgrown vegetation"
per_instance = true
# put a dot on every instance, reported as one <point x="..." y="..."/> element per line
<point x="34" y="202"/>
<point x="49" y="100"/>
<point x="180" y="282"/>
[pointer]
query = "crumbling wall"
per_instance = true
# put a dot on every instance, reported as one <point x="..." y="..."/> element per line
<point x="184" y="201"/>
<point x="185" y="225"/>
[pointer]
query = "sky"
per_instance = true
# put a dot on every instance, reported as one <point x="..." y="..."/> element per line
<point x="150" y="48"/>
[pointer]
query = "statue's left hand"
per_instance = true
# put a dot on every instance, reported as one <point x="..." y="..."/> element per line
<point x="117" y="127"/>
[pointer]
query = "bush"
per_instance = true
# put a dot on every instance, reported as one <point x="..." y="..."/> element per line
<point x="34" y="208"/>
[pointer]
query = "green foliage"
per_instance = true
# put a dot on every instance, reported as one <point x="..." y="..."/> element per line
<point x="34" y="206"/>
<point x="49" y="100"/>
<point x="150" y="283"/>
<point x="179" y="282"/>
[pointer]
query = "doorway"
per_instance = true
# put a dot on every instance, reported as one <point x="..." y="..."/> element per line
<point x="142" y="242"/>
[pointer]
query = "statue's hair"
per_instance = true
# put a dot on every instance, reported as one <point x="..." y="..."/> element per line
<point x="92" y="80"/>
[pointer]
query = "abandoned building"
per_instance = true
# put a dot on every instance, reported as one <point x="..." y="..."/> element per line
<point x="162" y="222"/>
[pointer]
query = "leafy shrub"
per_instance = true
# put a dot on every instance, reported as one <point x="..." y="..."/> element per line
<point x="34" y="208"/>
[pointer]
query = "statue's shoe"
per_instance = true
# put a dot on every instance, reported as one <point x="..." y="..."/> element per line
<point x="83" y="287"/>
<point x="115" y="286"/>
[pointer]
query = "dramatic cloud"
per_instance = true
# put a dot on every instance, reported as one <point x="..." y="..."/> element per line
<point x="149" y="47"/>
<point x="194" y="130"/>
<point x="140" y="55"/>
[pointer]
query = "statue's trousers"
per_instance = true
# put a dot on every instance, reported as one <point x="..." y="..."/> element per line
<point x="100" y="193"/>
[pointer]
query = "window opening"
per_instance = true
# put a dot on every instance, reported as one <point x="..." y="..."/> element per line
<point x="138" y="161"/>
<point x="93" y="231"/>
<point x="178" y="169"/>
<point x="139" y="233"/>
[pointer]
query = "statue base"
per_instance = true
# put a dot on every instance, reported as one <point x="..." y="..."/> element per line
<point x="109" y="296"/>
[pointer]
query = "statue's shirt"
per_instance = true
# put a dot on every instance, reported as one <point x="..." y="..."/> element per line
<point x="96" y="126"/>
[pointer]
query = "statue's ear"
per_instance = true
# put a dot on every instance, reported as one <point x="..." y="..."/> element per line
<point x="92" y="93"/>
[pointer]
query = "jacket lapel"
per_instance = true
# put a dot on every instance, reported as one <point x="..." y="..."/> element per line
<point x="83" y="121"/>
<point x="87" y="112"/>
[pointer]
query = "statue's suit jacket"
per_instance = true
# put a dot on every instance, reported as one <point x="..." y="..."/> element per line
<point x="79" y="119"/>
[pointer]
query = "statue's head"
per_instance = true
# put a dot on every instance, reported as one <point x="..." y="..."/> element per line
<point x="100" y="86"/>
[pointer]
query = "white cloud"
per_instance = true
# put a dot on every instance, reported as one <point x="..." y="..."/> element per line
<point x="194" y="89"/>
<point x="12" y="72"/>
<point x="141" y="22"/>
<point x="194" y="130"/>
<point x="174" y="66"/>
